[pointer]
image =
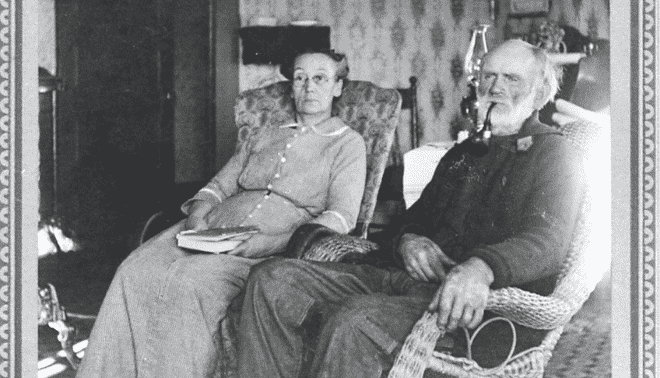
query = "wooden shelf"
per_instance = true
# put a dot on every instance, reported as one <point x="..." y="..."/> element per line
<point x="275" y="44"/>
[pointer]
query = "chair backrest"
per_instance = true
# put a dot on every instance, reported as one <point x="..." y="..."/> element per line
<point x="588" y="257"/>
<point x="370" y="110"/>
<point x="409" y="101"/>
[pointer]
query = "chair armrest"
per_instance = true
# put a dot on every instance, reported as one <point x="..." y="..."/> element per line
<point x="529" y="309"/>
<point x="336" y="246"/>
<point x="522" y="307"/>
<point x="415" y="354"/>
<point x="319" y="243"/>
<point x="303" y="237"/>
<point x="159" y="222"/>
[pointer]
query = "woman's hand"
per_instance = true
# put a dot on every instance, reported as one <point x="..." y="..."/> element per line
<point x="197" y="215"/>
<point x="261" y="245"/>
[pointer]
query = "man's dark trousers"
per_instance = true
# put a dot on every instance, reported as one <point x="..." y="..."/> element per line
<point x="365" y="314"/>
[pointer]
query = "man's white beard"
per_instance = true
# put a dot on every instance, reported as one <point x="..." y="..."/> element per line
<point x="508" y="120"/>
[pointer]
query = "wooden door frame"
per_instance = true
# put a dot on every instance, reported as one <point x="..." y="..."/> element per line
<point x="226" y="51"/>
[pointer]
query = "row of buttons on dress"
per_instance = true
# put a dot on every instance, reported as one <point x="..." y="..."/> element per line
<point x="277" y="174"/>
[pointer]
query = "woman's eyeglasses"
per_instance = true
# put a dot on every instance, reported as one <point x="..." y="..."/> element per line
<point x="319" y="79"/>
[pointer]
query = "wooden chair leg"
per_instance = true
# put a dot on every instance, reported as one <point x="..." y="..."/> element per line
<point x="53" y="314"/>
<point x="66" y="336"/>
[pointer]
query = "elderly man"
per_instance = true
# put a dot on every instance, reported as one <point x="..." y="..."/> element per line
<point x="483" y="222"/>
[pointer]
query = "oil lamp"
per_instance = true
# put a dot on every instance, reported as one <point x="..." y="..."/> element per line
<point x="479" y="135"/>
<point x="475" y="53"/>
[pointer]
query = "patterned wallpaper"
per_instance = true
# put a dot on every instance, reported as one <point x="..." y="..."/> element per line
<point x="387" y="41"/>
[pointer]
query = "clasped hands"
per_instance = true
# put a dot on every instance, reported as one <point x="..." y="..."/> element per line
<point x="461" y="299"/>
<point x="258" y="245"/>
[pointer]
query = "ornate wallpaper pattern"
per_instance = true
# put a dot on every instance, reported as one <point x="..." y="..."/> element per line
<point x="387" y="41"/>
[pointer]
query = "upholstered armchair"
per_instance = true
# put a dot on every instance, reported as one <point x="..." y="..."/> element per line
<point x="584" y="266"/>
<point x="370" y="110"/>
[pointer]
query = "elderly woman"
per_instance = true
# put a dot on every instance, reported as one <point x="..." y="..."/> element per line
<point x="161" y="314"/>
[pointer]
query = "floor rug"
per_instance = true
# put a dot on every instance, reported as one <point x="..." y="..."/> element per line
<point x="583" y="351"/>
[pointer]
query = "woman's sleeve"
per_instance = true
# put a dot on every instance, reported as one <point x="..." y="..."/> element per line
<point x="225" y="183"/>
<point x="347" y="180"/>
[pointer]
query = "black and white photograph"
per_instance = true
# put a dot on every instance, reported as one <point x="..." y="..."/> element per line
<point x="328" y="188"/>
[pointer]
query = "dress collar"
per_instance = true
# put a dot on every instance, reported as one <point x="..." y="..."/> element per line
<point x="330" y="127"/>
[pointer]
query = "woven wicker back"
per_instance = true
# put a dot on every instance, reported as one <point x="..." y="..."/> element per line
<point x="367" y="108"/>
<point x="588" y="256"/>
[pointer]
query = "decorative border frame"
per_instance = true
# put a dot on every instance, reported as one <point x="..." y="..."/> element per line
<point x="644" y="189"/>
<point x="635" y="322"/>
<point x="10" y="340"/>
<point x="19" y="159"/>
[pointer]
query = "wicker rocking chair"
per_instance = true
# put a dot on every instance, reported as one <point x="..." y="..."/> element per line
<point x="587" y="260"/>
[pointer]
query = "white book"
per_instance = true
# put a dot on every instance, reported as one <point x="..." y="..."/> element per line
<point x="216" y="240"/>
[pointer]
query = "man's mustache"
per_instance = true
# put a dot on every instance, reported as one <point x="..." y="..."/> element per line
<point x="485" y="103"/>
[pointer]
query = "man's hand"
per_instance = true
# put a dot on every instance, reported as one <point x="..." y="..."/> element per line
<point x="261" y="245"/>
<point x="423" y="259"/>
<point x="460" y="301"/>
<point x="197" y="215"/>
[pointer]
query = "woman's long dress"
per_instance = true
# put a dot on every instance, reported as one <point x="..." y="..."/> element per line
<point x="160" y="316"/>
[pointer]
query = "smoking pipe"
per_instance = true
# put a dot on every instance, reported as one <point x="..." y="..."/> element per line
<point x="479" y="141"/>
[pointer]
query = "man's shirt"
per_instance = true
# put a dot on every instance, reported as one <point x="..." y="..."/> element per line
<point x="515" y="207"/>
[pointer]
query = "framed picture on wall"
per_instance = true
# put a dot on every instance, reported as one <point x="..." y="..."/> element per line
<point x="529" y="7"/>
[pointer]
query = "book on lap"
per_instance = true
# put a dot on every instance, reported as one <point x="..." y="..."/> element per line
<point x="215" y="240"/>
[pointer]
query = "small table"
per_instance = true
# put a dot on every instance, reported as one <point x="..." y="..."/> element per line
<point x="418" y="167"/>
